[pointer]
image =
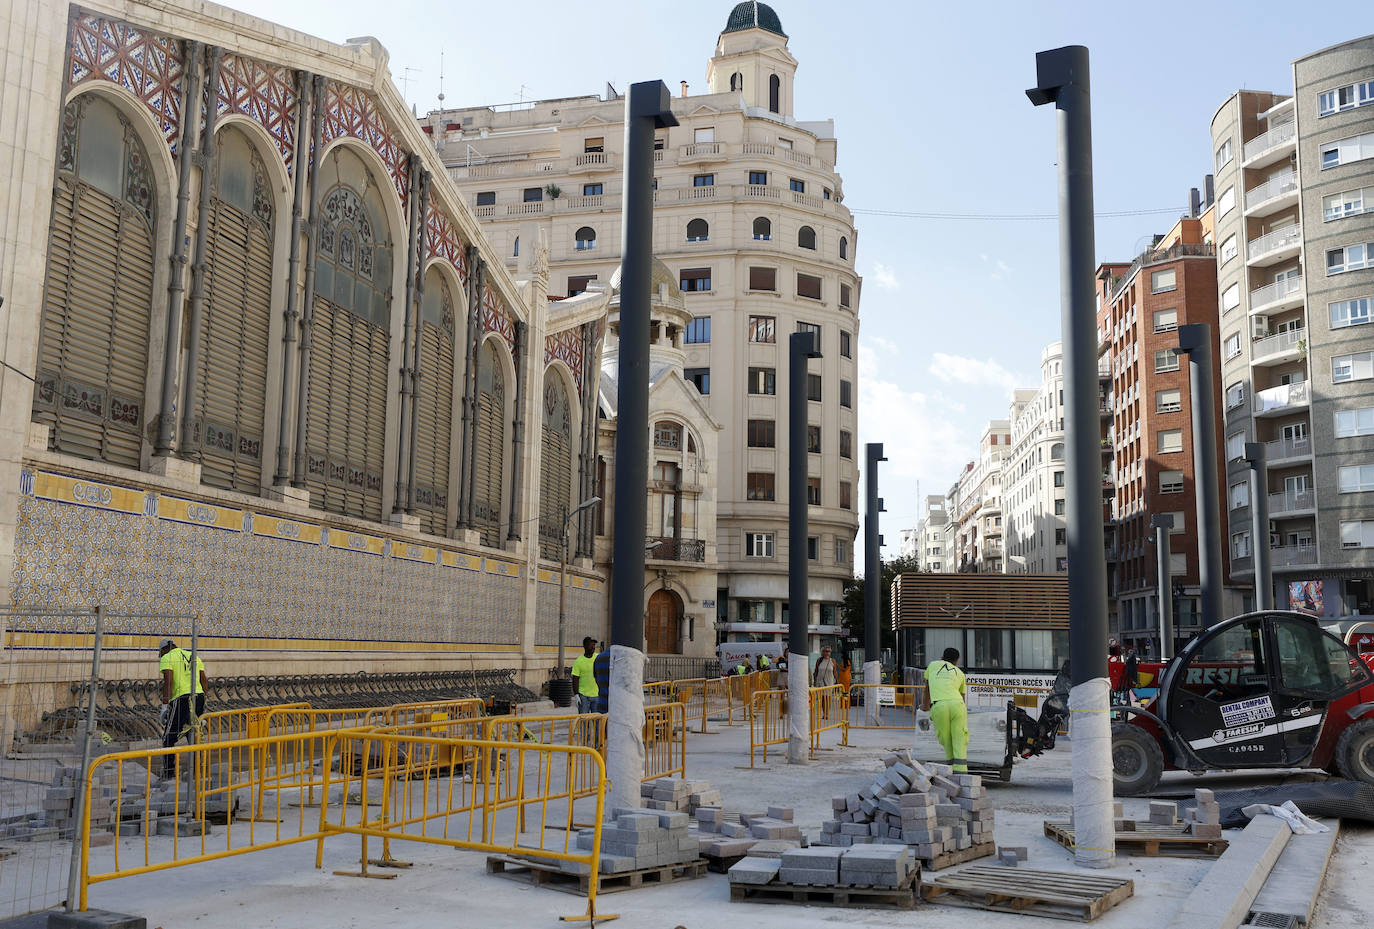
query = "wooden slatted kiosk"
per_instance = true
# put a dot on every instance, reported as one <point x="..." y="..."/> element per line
<point x="1055" y="894"/>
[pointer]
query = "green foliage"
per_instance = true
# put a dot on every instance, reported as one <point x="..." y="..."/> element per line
<point x="852" y="609"/>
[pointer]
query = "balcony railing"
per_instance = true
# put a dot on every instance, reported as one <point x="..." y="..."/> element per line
<point x="593" y="160"/>
<point x="703" y="150"/>
<point x="1272" y="293"/>
<point x="533" y="208"/>
<point x="1292" y="501"/>
<point x="1276" y="186"/>
<point x="1274" y="344"/>
<point x="677" y="550"/>
<point x="1281" y="555"/>
<point x="1277" y="398"/>
<point x="591" y="202"/>
<point x="1280" y="449"/>
<point x="1278" y="135"/>
<point x="1286" y="237"/>
<point x="1158" y="255"/>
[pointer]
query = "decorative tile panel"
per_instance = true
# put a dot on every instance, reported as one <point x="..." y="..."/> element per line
<point x="441" y="241"/>
<point x="263" y="92"/>
<point x="496" y="319"/>
<point x="148" y="65"/>
<point x="566" y="346"/>
<point x="351" y="111"/>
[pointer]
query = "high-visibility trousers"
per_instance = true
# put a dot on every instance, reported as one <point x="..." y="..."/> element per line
<point x="950" y="718"/>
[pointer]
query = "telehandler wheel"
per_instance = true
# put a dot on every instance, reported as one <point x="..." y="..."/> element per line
<point x="1355" y="751"/>
<point x="1137" y="761"/>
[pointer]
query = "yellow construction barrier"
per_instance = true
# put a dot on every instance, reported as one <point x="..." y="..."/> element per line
<point x="251" y="723"/>
<point x="472" y="811"/>
<point x="767" y="722"/>
<point x="828" y="710"/>
<point x="896" y="706"/>
<point x="403" y="714"/>
<point x="658" y="691"/>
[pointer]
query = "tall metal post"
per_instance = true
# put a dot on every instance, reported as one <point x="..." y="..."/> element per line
<point x="74" y="867"/>
<point x="873" y="581"/>
<point x="1195" y="341"/>
<point x="1259" y="525"/>
<point x="801" y="348"/>
<point x="1162" y="524"/>
<point x="1062" y="79"/>
<point x="648" y="107"/>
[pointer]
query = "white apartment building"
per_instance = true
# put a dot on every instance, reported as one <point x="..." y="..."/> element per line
<point x="1036" y="528"/>
<point x="977" y="507"/>
<point x="1295" y="260"/>
<point x="749" y="216"/>
<point x="932" y="545"/>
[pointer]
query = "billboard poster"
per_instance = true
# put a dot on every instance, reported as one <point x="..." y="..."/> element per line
<point x="1306" y="597"/>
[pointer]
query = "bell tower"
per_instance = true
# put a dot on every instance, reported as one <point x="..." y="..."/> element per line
<point x="752" y="59"/>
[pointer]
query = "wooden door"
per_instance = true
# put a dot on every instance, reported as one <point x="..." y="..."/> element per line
<point x="663" y="626"/>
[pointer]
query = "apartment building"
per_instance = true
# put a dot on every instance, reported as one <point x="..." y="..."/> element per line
<point x="929" y="544"/>
<point x="1295" y="266"/>
<point x="749" y="216"/>
<point x="1034" y="499"/>
<point x="1149" y="470"/>
<point x="976" y="505"/>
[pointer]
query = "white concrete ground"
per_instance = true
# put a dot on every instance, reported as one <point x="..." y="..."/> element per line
<point x="281" y="888"/>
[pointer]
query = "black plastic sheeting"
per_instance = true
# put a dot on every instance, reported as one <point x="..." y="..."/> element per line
<point x="1338" y="799"/>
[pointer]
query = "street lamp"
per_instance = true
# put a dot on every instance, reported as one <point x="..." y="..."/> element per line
<point x="563" y="576"/>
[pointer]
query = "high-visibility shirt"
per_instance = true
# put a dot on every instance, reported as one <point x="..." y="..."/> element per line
<point x="178" y="661"/>
<point x="585" y="672"/>
<point x="944" y="681"/>
<point x="763" y="662"/>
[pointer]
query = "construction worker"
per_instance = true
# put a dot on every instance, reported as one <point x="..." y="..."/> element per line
<point x="764" y="663"/>
<point x="944" y="700"/>
<point x="174" y="664"/>
<point x="584" y="677"/>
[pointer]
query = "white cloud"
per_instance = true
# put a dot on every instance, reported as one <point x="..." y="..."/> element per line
<point x="884" y="277"/>
<point x="956" y="369"/>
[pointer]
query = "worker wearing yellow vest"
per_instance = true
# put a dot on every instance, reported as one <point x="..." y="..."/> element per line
<point x="944" y="699"/>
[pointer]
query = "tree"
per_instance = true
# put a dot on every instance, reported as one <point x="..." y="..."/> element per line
<point x="852" y="609"/>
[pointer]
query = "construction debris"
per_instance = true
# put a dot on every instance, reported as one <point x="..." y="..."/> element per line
<point x="928" y="807"/>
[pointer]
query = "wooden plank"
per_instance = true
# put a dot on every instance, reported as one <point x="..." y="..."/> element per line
<point x="1154" y="841"/>
<point x="950" y="859"/>
<point x="1056" y="894"/>
<point x="548" y="874"/>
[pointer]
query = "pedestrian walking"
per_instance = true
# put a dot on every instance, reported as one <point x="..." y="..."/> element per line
<point x="584" y="677"/>
<point x="178" y="681"/>
<point x="825" y="675"/>
<point x="944" y="700"/>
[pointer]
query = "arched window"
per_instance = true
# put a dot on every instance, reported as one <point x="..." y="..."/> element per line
<point x="585" y="238"/>
<point x="806" y="238"/>
<point x="350" y="342"/>
<point x="491" y="445"/>
<point x="555" y="479"/>
<point x="434" y="419"/>
<point x="763" y="228"/>
<point x="231" y="383"/>
<point x="93" y="342"/>
<point x="737" y="81"/>
<point x="774" y="93"/>
<point x="515" y="252"/>
<point x="1057" y="451"/>
<point x="698" y="230"/>
<point x="844" y="248"/>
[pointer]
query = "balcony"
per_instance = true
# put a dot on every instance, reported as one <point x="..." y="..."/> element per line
<point x="592" y="162"/>
<point x="661" y="549"/>
<point x="1278" y="348"/>
<point x="580" y="204"/>
<point x="1278" y="193"/>
<point x="1272" y="146"/>
<point x="1280" y="295"/>
<point x="1104" y="407"/>
<point x="1292" y="502"/>
<point x="701" y="152"/>
<point x="1104" y="370"/>
<point x="1282" y="399"/>
<point x="1281" y="451"/>
<point x="1281" y="555"/>
<point x="1279" y="245"/>
<point x="533" y="208"/>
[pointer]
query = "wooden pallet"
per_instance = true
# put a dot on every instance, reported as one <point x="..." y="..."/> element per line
<point x="721" y="864"/>
<point x="1149" y="840"/>
<point x="541" y="873"/>
<point x="870" y="898"/>
<point x="1056" y="894"/>
<point x="950" y="859"/>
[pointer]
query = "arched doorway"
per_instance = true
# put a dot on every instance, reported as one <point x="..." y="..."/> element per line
<point x="663" y="626"/>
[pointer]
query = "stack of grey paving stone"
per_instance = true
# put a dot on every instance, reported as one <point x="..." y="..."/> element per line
<point x="729" y="835"/>
<point x="928" y="807"/>
<point x="638" y="838"/>
<point x="678" y="794"/>
<point x="151" y="805"/>
<point x="1202" y="820"/>
<point x="55" y="817"/>
<point x="881" y="866"/>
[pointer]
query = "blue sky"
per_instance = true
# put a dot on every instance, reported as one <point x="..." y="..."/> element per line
<point x="929" y="107"/>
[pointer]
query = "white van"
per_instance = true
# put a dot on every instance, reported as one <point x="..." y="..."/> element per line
<point x="731" y="653"/>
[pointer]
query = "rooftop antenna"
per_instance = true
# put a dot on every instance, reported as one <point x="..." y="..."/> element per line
<point x="521" y="92"/>
<point x="406" y="79"/>
<point x="441" y="78"/>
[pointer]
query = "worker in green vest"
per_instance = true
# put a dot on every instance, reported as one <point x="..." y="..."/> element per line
<point x="944" y="700"/>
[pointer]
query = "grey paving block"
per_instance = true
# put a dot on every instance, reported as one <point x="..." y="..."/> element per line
<point x="1292" y="886"/>
<point x="95" y="919"/>
<point x="814" y="857"/>
<point x="821" y="877"/>
<point x="727" y="848"/>
<point x="753" y="870"/>
<point x="1223" y="898"/>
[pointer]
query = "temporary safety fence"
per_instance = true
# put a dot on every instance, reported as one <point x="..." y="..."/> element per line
<point x="703" y="700"/>
<point x="828" y="711"/>
<point x="472" y="810"/>
<point x="767" y="722"/>
<point x="893" y="706"/>
<point x="658" y="691"/>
